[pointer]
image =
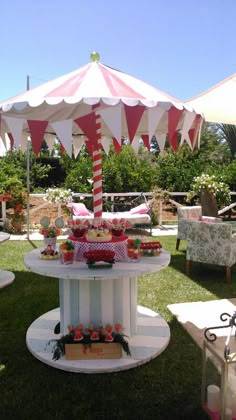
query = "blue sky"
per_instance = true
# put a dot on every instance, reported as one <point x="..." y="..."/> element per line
<point x="182" y="47"/>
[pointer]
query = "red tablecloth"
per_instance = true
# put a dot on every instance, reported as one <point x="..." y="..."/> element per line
<point x="118" y="245"/>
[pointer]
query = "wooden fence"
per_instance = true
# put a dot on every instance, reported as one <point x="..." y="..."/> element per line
<point x="111" y="198"/>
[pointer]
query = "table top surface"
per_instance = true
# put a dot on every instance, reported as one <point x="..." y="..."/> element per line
<point x="4" y="236"/>
<point x="80" y="271"/>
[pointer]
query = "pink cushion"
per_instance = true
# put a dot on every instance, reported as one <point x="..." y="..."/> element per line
<point x="79" y="209"/>
<point x="141" y="209"/>
<point x="210" y="219"/>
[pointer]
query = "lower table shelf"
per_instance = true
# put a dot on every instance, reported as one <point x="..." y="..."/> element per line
<point x="6" y="278"/>
<point x="153" y="336"/>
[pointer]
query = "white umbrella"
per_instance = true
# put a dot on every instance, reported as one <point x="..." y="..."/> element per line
<point x="95" y="105"/>
<point x="217" y="104"/>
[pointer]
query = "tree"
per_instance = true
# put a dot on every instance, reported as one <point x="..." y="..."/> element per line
<point x="227" y="133"/>
<point x="127" y="171"/>
<point x="175" y="171"/>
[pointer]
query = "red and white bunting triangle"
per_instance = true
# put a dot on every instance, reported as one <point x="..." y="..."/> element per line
<point x="112" y="118"/>
<point x="136" y="143"/>
<point x="78" y="142"/>
<point x="9" y="135"/>
<point x="117" y="146"/>
<point x="15" y="126"/>
<point x="63" y="131"/>
<point x="106" y="143"/>
<point x="145" y="138"/>
<point x="87" y="123"/>
<point x="161" y="140"/>
<point x="37" y="130"/>
<point x="195" y="132"/>
<point x="174" y="116"/>
<point x="154" y="117"/>
<point x="189" y="118"/>
<point x="50" y="140"/>
<point x="133" y="116"/>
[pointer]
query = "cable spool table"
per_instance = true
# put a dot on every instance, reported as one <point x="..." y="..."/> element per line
<point x="94" y="296"/>
<point x="6" y="277"/>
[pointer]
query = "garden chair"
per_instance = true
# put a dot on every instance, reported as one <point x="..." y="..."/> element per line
<point x="186" y="213"/>
<point x="211" y="243"/>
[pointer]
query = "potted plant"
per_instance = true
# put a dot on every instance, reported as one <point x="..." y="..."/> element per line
<point x="51" y="231"/>
<point x="59" y="197"/>
<point x="14" y="193"/>
<point x="18" y="218"/>
<point x="211" y="192"/>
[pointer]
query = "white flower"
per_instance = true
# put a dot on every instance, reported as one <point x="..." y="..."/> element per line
<point x="58" y="195"/>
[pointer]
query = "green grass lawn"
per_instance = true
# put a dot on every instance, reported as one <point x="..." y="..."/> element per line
<point x="166" y="388"/>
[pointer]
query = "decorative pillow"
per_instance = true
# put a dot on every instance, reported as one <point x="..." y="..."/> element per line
<point x="141" y="209"/>
<point x="79" y="209"/>
<point x="210" y="219"/>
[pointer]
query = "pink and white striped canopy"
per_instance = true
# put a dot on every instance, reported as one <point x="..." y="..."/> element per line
<point x="97" y="105"/>
<point x="129" y="108"/>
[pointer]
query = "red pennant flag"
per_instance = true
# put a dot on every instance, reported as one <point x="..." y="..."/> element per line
<point x="117" y="145"/>
<point x="62" y="149"/>
<point x="37" y="131"/>
<point x="11" y="141"/>
<point x="133" y="116"/>
<point x="145" y="138"/>
<point x="174" y="141"/>
<point x="89" y="147"/>
<point x="174" y="116"/>
<point x="195" y="130"/>
<point x="191" y="135"/>
<point x="87" y="123"/>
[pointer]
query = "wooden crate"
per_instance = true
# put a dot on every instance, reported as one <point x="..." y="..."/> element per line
<point x="93" y="351"/>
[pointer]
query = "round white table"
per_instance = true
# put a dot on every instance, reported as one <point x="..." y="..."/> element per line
<point x="6" y="277"/>
<point x="104" y="295"/>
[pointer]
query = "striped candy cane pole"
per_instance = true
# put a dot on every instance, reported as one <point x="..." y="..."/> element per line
<point x="97" y="171"/>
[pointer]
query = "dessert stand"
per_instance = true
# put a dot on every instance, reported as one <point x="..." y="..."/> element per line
<point x="99" y="296"/>
<point x="118" y="245"/>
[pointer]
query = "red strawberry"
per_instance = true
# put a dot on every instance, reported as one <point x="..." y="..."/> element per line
<point x="118" y="327"/>
<point x="70" y="328"/>
<point x="108" y="328"/>
<point x="79" y="327"/>
<point x="90" y="328"/>
<point x="100" y="329"/>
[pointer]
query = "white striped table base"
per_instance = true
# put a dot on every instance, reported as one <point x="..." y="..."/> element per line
<point x="151" y="339"/>
<point x="100" y="301"/>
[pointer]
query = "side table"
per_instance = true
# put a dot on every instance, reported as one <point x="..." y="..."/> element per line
<point x="6" y="277"/>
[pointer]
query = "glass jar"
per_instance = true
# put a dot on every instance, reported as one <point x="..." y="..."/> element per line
<point x="133" y="249"/>
<point x="67" y="257"/>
